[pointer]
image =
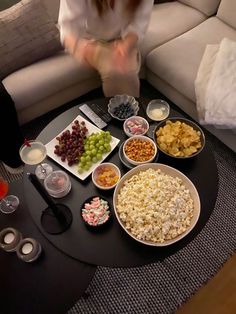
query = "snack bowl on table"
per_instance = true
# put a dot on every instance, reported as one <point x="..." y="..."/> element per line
<point x="106" y="176"/>
<point x="179" y="138"/>
<point x="57" y="183"/>
<point x="135" y="125"/>
<point x="163" y="204"/>
<point x="122" y="107"/>
<point x="158" y="109"/>
<point x="95" y="212"/>
<point x="139" y="149"/>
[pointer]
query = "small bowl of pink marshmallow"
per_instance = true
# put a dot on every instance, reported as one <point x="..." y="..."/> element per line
<point x="135" y="125"/>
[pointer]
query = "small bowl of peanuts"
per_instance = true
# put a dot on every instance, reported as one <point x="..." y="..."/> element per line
<point x="106" y="175"/>
<point x="139" y="149"/>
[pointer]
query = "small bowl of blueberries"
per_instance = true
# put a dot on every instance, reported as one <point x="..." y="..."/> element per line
<point x="122" y="107"/>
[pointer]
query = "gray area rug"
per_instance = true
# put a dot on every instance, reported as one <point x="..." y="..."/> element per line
<point x="7" y="176"/>
<point x="162" y="287"/>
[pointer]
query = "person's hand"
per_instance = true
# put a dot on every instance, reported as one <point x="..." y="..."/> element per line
<point x="82" y="50"/>
<point x="126" y="45"/>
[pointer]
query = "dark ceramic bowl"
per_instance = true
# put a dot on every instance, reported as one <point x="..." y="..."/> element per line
<point x="87" y="223"/>
<point x="182" y="120"/>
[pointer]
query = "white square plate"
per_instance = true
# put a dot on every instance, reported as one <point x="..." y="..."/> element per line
<point x="91" y="129"/>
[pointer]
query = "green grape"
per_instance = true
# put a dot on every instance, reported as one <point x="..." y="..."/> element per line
<point x="107" y="147"/>
<point x="88" y="158"/>
<point x="94" y="152"/>
<point x="101" y="149"/>
<point x="94" y="159"/>
<point x="80" y="170"/>
<point x="92" y="143"/>
<point x="101" y="142"/>
<point x="99" y="156"/>
<point x="89" y="153"/>
<point x="86" y="167"/>
<point x="82" y="159"/>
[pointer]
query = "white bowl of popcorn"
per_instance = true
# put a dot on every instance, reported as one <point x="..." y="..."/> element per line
<point x="156" y="205"/>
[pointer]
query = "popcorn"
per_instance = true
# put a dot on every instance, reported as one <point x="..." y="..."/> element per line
<point x="154" y="206"/>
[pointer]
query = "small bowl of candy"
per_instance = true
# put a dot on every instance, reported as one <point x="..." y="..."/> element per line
<point x="95" y="211"/>
<point x="122" y="107"/>
<point x="106" y="175"/>
<point x="135" y="125"/>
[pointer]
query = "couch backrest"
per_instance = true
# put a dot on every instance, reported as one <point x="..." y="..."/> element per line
<point x="227" y="12"/>
<point x="208" y="7"/>
<point x="52" y="7"/>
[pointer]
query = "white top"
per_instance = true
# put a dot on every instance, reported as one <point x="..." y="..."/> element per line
<point x="80" y="17"/>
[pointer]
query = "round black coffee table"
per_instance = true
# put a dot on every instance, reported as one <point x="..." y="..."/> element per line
<point x="51" y="284"/>
<point x="111" y="246"/>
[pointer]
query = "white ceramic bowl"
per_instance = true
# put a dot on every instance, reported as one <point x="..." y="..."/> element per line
<point x="173" y="173"/>
<point x="117" y="101"/>
<point x="139" y="138"/>
<point x="135" y="125"/>
<point x="100" y="169"/>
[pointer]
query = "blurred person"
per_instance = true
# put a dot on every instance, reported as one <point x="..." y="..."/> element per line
<point x="104" y="35"/>
<point x="11" y="135"/>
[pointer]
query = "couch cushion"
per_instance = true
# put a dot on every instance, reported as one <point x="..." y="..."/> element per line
<point x="169" y="20"/>
<point x="207" y="7"/>
<point x="52" y="7"/>
<point x="227" y="12"/>
<point x="27" y="34"/>
<point x="45" y="78"/>
<point x="177" y="61"/>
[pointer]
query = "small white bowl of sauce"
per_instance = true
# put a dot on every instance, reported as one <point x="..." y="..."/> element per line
<point x="158" y="109"/>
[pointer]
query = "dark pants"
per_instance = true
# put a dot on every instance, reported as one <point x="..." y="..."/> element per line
<point x="10" y="131"/>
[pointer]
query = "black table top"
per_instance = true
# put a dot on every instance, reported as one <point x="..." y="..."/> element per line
<point x="112" y="246"/>
<point x="51" y="284"/>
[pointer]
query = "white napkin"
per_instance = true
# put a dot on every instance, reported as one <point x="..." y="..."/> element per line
<point x="215" y="85"/>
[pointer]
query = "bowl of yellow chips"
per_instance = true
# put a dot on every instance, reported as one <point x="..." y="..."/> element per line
<point x="179" y="138"/>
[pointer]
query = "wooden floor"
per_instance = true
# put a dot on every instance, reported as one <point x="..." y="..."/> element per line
<point x="218" y="296"/>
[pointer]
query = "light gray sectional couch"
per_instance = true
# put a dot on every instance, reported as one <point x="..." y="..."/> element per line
<point x="171" y="51"/>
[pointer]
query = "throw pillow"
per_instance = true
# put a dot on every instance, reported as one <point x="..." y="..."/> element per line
<point x="27" y="34"/>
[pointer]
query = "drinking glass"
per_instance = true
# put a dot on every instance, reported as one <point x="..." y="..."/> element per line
<point x="33" y="152"/>
<point x="8" y="203"/>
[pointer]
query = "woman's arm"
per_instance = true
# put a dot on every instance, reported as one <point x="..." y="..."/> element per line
<point x="72" y="22"/>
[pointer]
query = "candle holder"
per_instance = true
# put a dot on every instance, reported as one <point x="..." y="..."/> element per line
<point x="9" y="239"/>
<point x="28" y="250"/>
<point x="56" y="218"/>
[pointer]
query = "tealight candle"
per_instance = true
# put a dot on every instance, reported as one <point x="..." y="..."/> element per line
<point x="27" y="248"/>
<point x="9" y="238"/>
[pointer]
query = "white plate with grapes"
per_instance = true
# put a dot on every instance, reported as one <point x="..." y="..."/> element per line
<point x="80" y="147"/>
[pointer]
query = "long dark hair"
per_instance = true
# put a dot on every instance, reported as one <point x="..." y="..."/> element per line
<point x="103" y="5"/>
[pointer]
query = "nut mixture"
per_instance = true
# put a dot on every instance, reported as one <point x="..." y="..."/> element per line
<point x="154" y="206"/>
<point x="139" y="150"/>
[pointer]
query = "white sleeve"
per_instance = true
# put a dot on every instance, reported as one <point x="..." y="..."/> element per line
<point x="140" y="20"/>
<point x="72" y="17"/>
